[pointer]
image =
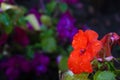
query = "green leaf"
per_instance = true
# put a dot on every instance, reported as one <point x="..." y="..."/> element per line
<point x="4" y="19"/>
<point x="63" y="63"/>
<point x="1" y="56"/>
<point x="21" y="21"/>
<point x="30" y="52"/>
<point x="37" y="45"/>
<point x="51" y="6"/>
<point x="46" y="33"/>
<point x="46" y="20"/>
<point x="43" y="28"/>
<point x="100" y="65"/>
<point x="110" y="66"/>
<point x="117" y="72"/>
<point x="48" y="44"/>
<point x="63" y="7"/>
<point x="15" y="15"/>
<point x="62" y="51"/>
<point x="82" y="76"/>
<point x="6" y="22"/>
<point x="104" y="75"/>
<point x="69" y="48"/>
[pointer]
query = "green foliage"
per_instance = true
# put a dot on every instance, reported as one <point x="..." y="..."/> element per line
<point x="6" y="22"/>
<point x="21" y="21"/>
<point x="51" y="7"/>
<point x="110" y="66"/>
<point x="48" y="44"/>
<point x="63" y="7"/>
<point x="104" y="75"/>
<point x="46" y="20"/>
<point x="11" y="18"/>
<point x="117" y="72"/>
<point x="62" y="65"/>
<point x="1" y="56"/>
<point x="62" y="51"/>
<point x="82" y="76"/>
<point x="17" y="16"/>
<point x="5" y="19"/>
<point x="47" y="40"/>
<point x="46" y="32"/>
<point x="29" y="51"/>
<point x="69" y="48"/>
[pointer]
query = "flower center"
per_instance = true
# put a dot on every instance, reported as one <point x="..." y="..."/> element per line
<point x="82" y="51"/>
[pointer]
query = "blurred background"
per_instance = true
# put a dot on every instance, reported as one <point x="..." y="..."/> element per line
<point x="36" y="35"/>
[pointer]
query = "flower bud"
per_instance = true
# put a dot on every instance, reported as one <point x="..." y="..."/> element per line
<point x="46" y="20"/>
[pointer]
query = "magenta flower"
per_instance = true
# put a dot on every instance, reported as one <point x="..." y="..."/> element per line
<point x="20" y="36"/>
<point x="66" y="28"/>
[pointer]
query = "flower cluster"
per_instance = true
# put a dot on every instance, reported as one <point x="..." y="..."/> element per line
<point x="15" y="65"/>
<point x="29" y="36"/>
<point x="66" y="27"/>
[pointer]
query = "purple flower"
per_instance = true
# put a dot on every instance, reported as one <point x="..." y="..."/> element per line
<point x="40" y="63"/>
<point x="66" y="28"/>
<point x="3" y="38"/>
<point x="30" y="27"/>
<point x="20" y="37"/>
<point x="14" y="65"/>
<point x="58" y="59"/>
<point x="40" y="69"/>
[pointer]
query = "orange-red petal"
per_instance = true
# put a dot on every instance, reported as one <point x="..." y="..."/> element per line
<point x="92" y="35"/>
<point x="87" y="67"/>
<point x="94" y="47"/>
<point x="74" y="62"/>
<point x="79" y="40"/>
<point x="79" y="63"/>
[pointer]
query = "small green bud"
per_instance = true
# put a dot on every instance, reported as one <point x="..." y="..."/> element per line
<point x="46" y="20"/>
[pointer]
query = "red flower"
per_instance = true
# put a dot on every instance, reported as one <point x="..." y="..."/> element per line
<point x="86" y="46"/>
<point x="108" y="41"/>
